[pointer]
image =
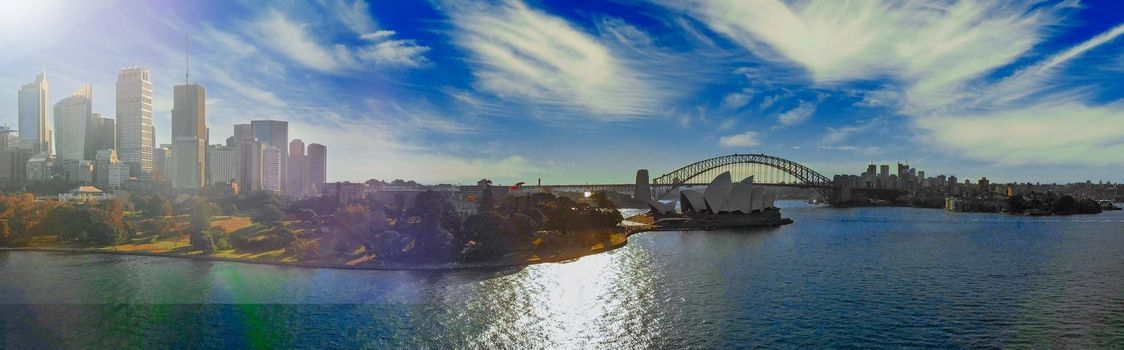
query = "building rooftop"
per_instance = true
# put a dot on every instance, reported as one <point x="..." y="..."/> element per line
<point x="85" y="189"/>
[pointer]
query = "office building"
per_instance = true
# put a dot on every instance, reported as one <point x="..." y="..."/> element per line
<point x="161" y="160"/>
<point x="76" y="171"/>
<point x="223" y="164"/>
<point x="109" y="172"/>
<point x="104" y="134"/>
<point x="13" y="161"/>
<point x="35" y="134"/>
<point x="189" y="132"/>
<point x="136" y="136"/>
<point x="249" y="151"/>
<point x="273" y="133"/>
<point x="297" y="177"/>
<point x="39" y="167"/>
<point x="271" y="168"/>
<point x="317" y="164"/>
<point x="74" y="124"/>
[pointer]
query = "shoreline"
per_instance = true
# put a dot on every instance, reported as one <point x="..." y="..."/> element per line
<point x="383" y="267"/>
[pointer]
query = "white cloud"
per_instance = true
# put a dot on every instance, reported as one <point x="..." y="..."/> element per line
<point x="394" y="53"/>
<point x="1056" y="133"/>
<point x="298" y="42"/>
<point x="735" y="100"/>
<point x="526" y="55"/>
<point x="798" y="114"/>
<point x="728" y="123"/>
<point x="745" y="139"/>
<point x="378" y="35"/>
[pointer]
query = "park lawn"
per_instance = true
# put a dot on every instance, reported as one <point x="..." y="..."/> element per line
<point x="168" y="245"/>
<point x="232" y="223"/>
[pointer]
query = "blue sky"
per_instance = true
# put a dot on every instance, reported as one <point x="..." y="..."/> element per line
<point x="590" y="91"/>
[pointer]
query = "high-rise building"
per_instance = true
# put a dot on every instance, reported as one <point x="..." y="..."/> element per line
<point x="104" y="134"/>
<point x="74" y="124"/>
<point x="884" y="170"/>
<point x="317" y="164"/>
<point x="223" y="164"/>
<point x="13" y="160"/>
<point x="161" y="160"/>
<point x="273" y="133"/>
<point x="271" y="168"/>
<point x="135" y="133"/>
<point x="297" y="178"/>
<point x="35" y="134"/>
<point x="189" y="132"/>
<point x="109" y="172"/>
<point x="248" y="172"/>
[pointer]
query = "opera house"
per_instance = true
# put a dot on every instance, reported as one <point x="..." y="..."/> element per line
<point x="722" y="204"/>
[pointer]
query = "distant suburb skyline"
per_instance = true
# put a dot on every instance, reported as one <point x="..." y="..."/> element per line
<point x="590" y="91"/>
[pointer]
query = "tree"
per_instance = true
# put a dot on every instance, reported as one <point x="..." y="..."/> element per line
<point x="601" y="200"/>
<point x="269" y="215"/>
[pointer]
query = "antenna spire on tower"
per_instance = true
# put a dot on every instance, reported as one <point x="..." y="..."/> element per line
<point x="187" y="58"/>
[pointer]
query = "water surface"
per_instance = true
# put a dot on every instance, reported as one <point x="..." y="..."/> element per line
<point x="860" y="277"/>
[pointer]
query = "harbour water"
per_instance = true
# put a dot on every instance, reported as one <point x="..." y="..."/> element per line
<point x="857" y="277"/>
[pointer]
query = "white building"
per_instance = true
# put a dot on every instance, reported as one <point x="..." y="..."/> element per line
<point x="84" y="194"/>
<point x="189" y="132"/>
<point x="271" y="159"/>
<point x="224" y="164"/>
<point x="73" y="125"/>
<point x="136" y="137"/>
<point x="35" y="133"/>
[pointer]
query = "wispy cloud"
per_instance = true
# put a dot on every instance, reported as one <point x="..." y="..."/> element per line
<point x="297" y="41"/>
<point x="735" y="100"/>
<point x="798" y="114"/>
<point x="524" y="54"/>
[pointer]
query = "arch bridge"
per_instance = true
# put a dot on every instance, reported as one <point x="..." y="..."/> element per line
<point x="765" y="169"/>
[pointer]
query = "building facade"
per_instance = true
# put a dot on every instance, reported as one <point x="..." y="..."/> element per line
<point x="273" y="133"/>
<point x="297" y="179"/>
<point x="317" y="164"/>
<point x="223" y="164"/>
<point x="189" y="132"/>
<point x="35" y="133"/>
<point x="271" y="168"/>
<point x="74" y="125"/>
<point x="136" y="136"/>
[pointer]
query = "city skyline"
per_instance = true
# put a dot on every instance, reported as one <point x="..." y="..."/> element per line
<point x="447" y="91"/>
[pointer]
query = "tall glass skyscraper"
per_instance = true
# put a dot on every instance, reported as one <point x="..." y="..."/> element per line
<point x="34" y="132"/>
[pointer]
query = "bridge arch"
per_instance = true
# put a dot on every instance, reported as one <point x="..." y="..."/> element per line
<point x="804" y="175"/>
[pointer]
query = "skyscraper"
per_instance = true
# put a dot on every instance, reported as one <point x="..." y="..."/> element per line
<point x="104" y="134"/>
<point x="35" y="134"/>
<point x="135" y="133"/>
<point x="248" y="171"/>
<point x="317" y="164"/>
<point x="189" y="130"/>
<point x="271" y="163"/>
<point x="273" y="133"/>
<point x="74" y="124"/>
<point x="297" y="177"/>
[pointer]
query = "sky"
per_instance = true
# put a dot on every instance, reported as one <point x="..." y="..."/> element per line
<point x="450" y="91"/>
